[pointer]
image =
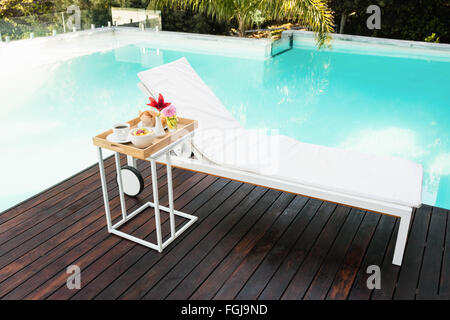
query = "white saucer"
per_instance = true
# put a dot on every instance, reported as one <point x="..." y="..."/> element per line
<point x="112" y="138"/>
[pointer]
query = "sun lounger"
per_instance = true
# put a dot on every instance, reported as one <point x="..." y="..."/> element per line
<point x="222" y="147"/>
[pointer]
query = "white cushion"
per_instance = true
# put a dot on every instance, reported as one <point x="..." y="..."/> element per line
<point x="222" y="140"/>
<point x="387" y="179"/>
<point x="181" y="85"/>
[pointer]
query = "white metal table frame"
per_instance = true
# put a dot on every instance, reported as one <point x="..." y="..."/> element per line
<point x="114" y="228"/>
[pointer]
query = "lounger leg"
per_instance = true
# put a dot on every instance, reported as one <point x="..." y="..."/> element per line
<point x="401" y="239"/>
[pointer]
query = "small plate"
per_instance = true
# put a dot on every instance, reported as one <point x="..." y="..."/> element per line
<point x="112" y="138"/>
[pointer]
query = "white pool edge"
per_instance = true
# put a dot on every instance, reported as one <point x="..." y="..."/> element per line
<point x="219" y="45"/>
<point x="300" y="34"/>
<point x="202" y="43"/>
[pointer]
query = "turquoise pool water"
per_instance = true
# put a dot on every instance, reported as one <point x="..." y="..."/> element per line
<point x="371" y="103"/>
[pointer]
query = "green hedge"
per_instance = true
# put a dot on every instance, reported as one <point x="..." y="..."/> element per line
<point x="400" y="19"/>
<point x="192" y="22"/>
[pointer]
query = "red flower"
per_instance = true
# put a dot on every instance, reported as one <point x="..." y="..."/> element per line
<point x="160" y="104"/>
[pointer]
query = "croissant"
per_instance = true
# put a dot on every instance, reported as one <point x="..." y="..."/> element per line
<point x="148" y="118"/>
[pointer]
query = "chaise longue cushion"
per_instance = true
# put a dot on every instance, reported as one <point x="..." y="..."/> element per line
<point x="380" y="178"/>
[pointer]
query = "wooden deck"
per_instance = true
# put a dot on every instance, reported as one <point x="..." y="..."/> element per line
<point x="249" y="243"/>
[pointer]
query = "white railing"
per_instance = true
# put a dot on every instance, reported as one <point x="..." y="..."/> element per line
<point x="73" y="20"/>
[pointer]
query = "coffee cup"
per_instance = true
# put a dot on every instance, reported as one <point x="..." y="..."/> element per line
<point x="121" y="130"/>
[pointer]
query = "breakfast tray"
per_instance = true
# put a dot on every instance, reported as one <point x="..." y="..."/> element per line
<point x="185" y="126"/>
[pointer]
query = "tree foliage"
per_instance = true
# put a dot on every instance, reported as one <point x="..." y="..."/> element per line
<point x="192" y="22"/>
<point x="400" y="19"/>
<point x="14" y="8"/>
<point x="314" y="13"/>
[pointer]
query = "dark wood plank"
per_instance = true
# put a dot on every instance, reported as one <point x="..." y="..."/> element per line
<point x="99" y="272"/>
<point x="191" y="243"/>
<point x="53" y="192"/>
<point x="51" y="226"/>
<point x="430" y="273"/>
<point x="389" y="272"/>
<point x="262" y="275"/>
<point x="222" y="203"/>
<point x="167" y="255"/>
<point x="222" y="272"/>
<point x="374" y="256"/>
<point x="210" y="196"/>
<point x="196" y="277"/>
<point x="36" y="214"/>
<point x="184" y="266"/>
<point x="41" y="244"/>
<point x="324" y="278"/>
<point x="310" y="266"/>
<point x="243" y="272"/>
<point x="32" y="250"/>
<point x="412" y="260"/>
<point x="91" y="250"/>
<point x="444" y="288"/>
<point x="280" y="280"/>
<point x="32" y="274"/>
<point x="249" y="243"/>
<point x="343" y="281"/>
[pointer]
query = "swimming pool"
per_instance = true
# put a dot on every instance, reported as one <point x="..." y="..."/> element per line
<point x="372" y="102"/>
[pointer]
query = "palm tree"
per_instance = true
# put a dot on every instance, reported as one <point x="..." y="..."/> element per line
<point x="313" y="13"/>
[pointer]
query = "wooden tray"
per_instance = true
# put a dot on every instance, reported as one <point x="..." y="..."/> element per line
<point x="184" y="127"/>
